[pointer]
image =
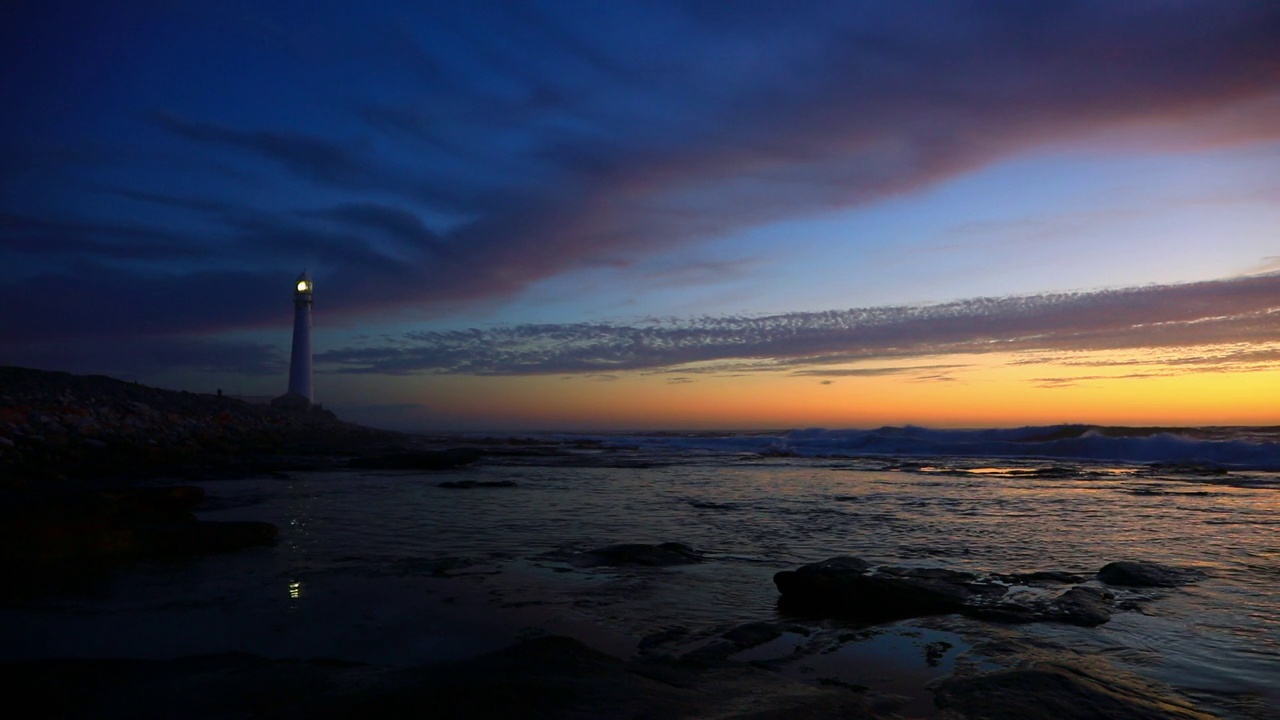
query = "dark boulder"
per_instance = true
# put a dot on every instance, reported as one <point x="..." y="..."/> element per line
<point x="849" y="587"/>
<point x="1147" y="574"/>
<point x="39" y="527"/>
<point x="663" y="555"/>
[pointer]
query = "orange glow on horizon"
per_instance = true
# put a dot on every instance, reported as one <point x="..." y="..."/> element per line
<point x="975" y="391"/>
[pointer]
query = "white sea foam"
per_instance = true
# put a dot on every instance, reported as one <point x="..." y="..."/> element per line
<point x="1235" y="448"/>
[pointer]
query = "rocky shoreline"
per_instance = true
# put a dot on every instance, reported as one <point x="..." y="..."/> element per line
<point x="72" y="450"/>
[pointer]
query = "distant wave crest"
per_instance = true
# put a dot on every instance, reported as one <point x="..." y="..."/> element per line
<point x="1250" y="448"/>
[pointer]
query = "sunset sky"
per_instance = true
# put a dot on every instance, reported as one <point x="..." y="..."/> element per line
<point x="660" y="214"/>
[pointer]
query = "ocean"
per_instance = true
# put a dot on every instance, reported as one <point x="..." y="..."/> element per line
<point x="388" y="567"/>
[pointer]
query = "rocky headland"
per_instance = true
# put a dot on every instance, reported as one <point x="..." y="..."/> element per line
<point x="58" y="426"/>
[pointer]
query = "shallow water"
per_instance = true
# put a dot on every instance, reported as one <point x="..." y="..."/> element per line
<point x="390" y="568"/>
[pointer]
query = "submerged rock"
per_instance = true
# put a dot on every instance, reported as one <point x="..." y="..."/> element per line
<point x="1061" y="691"/>
<point x="663" y="555"/>
<point x="1147" y="574"/>
<point x="851" y="588"/>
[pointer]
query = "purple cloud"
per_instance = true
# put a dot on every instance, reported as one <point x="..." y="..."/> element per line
<point x="558" y="148"/>
<point x="1240" y="310"/>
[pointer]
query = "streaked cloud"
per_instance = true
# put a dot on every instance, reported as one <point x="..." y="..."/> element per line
<point x="1163" y="317"/>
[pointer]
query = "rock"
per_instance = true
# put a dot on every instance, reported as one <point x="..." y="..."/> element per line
<point x="1147" y="574"/>
<point x="1061" y="691"/>
<point x="50" y="527"/>
<point x="753" y="634"/>
<point x="849" y="587"/>
<point x="664" y="555"/>
<point x="1043" y="576"/>
<point x="1082" y="605"/>
<point x="538" y="679"/>
<point x="204" y="537"/>
<point x="468" y="484"/>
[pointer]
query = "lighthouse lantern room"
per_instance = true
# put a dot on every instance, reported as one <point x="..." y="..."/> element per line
<point x="300" y="358"/>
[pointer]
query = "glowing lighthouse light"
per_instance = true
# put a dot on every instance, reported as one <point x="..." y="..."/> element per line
<point x="300" y="360"/>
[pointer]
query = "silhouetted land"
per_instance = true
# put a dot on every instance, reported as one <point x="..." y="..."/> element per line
<point x="58" y="426"/>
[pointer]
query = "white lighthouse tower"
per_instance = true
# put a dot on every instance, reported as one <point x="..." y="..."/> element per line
<point x="300" y="360"/>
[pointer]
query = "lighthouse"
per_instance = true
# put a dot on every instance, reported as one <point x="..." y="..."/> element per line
<point x="300" y="360"/>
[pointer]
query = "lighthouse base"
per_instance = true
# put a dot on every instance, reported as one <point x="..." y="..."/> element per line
<point x="291" y="401"/>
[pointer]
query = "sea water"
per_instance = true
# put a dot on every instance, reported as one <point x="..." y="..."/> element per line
<point x="388" y="567"/>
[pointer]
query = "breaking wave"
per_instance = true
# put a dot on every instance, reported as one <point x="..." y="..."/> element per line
<point x="1238" y="448"/>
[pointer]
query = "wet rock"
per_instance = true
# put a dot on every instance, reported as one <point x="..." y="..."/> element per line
<point x="469" y="484"/>
<point x="202" y="537"/>
<point x="849" y="587"/>
<point x="1061" y="691"/>
<point x="662" y="637"/>
<point x="753" y="634"/>
<point x="1043" y="576"/>
<point x="1082" y="605"/>
<point x="46" y="526"/>
<point x="663" y="555"/>
<point x="1147" y="574"/>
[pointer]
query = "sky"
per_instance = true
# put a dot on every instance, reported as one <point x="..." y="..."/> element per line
<point x="669" y="214"/>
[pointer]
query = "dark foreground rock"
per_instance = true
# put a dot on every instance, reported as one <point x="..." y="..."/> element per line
<point x="47" y="526"/>
<point x="1147" y="574"/>
<point x="663" y="555"/>
<point x="850" y="587"/>
<point x="1061" y="691"/>
<point x="549" y="677"/>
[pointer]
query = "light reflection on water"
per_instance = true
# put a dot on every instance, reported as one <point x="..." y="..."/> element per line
<point x="390" y="568"/>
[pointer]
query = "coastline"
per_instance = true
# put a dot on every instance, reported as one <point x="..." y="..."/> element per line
<point x="746" y="670"/>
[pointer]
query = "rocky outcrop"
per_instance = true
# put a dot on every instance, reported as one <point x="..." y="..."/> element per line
<point x="850" y="587"/>
<point x="44" y="527"/>
<point x="1083" y="605"/>
<point x="61" y="426"/>
<point x="662" y="555"/>
<point x="1147" y="574"/>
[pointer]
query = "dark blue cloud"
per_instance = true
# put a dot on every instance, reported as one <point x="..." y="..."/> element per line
<point x="423" y="156"/>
